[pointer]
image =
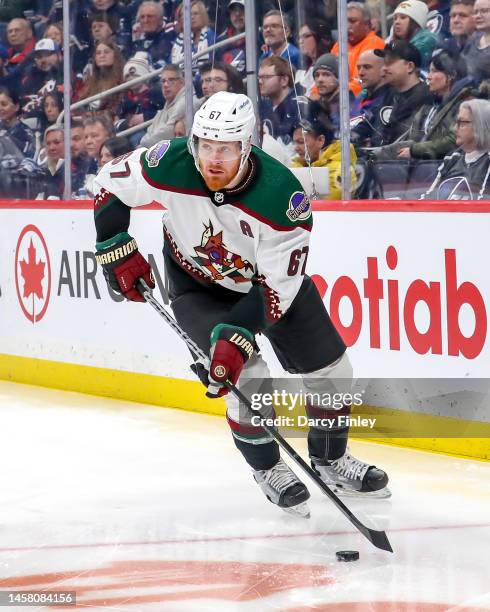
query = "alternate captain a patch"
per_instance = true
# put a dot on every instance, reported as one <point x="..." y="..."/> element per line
<point x="214" y="257"/>
<point x="155" y="154"/>
<point x="299" y="208"/>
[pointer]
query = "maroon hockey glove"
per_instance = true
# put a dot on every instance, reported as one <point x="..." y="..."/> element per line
<point x="123" y="265"/>
<point x="231" y="348"/>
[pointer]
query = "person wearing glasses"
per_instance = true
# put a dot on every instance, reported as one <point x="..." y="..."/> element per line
<point x="478" y="49"/>
<point x="314" y="40"/>
<point x="464" y="175"/>
<point x="276" y="31"/>
<point x="172" y="81"/>
<point x="278" y="105"/>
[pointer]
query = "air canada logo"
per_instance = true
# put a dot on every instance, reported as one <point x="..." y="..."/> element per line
<point x="32" y="273"/>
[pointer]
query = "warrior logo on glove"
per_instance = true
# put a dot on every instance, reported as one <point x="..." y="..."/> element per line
<point x="124" y="265"/>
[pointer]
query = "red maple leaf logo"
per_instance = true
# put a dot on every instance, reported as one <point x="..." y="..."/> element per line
<point x="32" y="273"/>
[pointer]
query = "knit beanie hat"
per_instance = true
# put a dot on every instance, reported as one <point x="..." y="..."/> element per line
<point x="136" y="66"/>
<point x="327" y="61"/>
<point x="415" y="9"/>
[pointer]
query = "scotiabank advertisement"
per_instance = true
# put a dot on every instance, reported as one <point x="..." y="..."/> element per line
<point x="408" y="290"/>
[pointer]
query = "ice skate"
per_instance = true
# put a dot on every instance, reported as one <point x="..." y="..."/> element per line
<point x="283" y="488"/>
<point x="351" y="477"/>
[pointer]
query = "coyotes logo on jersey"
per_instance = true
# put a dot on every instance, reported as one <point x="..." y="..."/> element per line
<point x="213" y="256"/>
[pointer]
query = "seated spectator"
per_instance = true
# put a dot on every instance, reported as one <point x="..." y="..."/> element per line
<point x="96" y="130"/>
<point x="106" y="73"/>
<point x="162" y="128"/>
<point x="81" y="163"/>
<point x="180" y="128"/>
<point x="53" y="163"/>
<point x="315" y="140"/>
<point x="327" y="107"/>
<point x="224" y="77"/>
<point x="45" y="74"/>
<point x="11" y="126"/>
<point x="141" y="102"/>
<point x="48" y="112"/>
<point x="360" y="38"/>
<point x="114" y="147"/>
<point x="374" y="99"/>
<point x="103" y="27"/>
<point x="278" y="106"/>
<point x="461" y="27"/>
<point x="402" y="63"/>
<point x="21" y="41"/>
<point x="464" y="174"/>
<point x="55" y="32"/>
<point x="477" y="52"/>
<point x="409" y="21"/>
<point x="151" y="35"/>
<point x="276" y="34"/>
<point x="314" y="40"/>
<point x="432" y="134"/>
<point x="235" y="53"/>
<point x="202" y="36"/>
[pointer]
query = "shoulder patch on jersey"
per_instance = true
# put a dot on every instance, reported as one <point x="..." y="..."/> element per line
<point x="155" y="154"/>
<point x="299" y="208"/>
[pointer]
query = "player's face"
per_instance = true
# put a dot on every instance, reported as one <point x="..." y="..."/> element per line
<point x="219" y="162"/>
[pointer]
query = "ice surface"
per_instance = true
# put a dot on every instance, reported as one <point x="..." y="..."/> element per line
<point x="147" y="509"/>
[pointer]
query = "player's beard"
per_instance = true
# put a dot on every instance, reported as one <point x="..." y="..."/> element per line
<point x="218" y="176"/>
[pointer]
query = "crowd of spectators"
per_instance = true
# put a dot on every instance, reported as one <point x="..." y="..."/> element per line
<point x="418" y="97"/>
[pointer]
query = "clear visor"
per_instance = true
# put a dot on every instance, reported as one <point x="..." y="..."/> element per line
<point x="218" y="151"/>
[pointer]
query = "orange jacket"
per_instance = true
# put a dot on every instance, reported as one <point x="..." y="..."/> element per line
<point x="367" y="44"/>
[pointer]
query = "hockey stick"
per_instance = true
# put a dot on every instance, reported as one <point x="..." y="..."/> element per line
<point x="378" y="538"/>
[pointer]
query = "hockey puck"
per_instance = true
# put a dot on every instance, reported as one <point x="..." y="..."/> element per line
<point x="347" y="555"/>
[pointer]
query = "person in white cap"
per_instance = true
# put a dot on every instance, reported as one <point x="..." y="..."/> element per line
<point x="409" y="25"/>
<point x="142" y="101"/>
<point x="236" y="233"/>
<point x="45" y="74"/>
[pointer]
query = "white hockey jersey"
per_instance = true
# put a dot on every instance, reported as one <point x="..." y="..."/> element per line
<point x="252" y="239"/>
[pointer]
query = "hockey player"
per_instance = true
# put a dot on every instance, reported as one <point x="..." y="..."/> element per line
<point x="236" y="235"/>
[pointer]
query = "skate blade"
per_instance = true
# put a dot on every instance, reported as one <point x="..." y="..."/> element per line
<point x="301" y="510"/>
<point x="383" y="493"/>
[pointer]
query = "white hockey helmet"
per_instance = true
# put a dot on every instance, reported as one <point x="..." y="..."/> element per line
<point x="224" y="117"/>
